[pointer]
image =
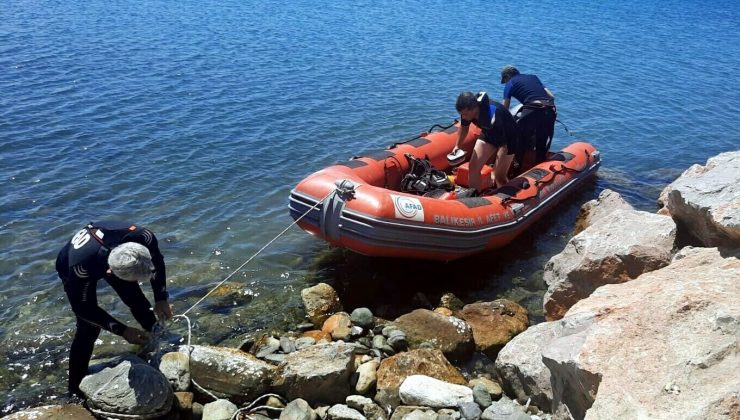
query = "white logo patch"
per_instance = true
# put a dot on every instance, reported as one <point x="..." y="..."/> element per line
<point x="408" y="208"/>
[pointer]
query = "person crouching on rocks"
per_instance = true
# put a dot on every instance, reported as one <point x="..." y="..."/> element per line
<point x="122" y="254"/>
<point x="499" y="135"/>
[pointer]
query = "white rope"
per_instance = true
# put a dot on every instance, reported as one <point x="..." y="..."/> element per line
<point x="258" y="252"/>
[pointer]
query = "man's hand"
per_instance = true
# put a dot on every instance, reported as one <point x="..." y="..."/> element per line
<point x="163" y="310"/>
<point x="135" y="336"/>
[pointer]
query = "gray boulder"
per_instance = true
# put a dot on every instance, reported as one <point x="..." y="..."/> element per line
<point x="705" y="201"/>
<point x="175" y="366"/>
<point x="607" y="202"/>
<point x="298" y="409"/>
<point x="505" y="409"/>
<point x="520" y="365"/>
<point x="342" y="412"/>
<point x="318" y="373"/>
<point x="615" y="249"/>
<point x="662" y="346"/>
<point x="130" y="389"/>
<point x="219" y="410"/>
<point x="230" y="373"/>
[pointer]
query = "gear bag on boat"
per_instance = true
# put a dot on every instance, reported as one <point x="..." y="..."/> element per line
<point x="423" y="177"/>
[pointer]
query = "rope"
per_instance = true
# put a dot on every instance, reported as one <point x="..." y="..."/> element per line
<point x="257" y="253"/>
<point x="250" y="409"/>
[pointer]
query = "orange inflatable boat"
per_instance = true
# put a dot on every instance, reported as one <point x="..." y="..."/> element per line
<point x="360" y="205"/>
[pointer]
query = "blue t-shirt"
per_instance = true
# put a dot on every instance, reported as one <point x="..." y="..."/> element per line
<point x="525" y="88"/>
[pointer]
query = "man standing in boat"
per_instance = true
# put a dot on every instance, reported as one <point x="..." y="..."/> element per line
<point x="499" y="135"/>
<point x="538" y="115"/>
<point x="123" y="255"/>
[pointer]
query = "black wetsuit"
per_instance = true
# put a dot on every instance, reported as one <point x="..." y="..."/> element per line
<point x="497" y="125"/>
<point x="538" y="114"/>
<point x="80" y="264"/>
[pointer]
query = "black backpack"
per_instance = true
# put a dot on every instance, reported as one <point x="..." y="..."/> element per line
<point x="422" y="177"/>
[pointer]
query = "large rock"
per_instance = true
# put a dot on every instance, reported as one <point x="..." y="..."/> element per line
<point x="219" y="410"/>
<point x="662" y="346"/>
<point x="520" y="365"/>
<point x="320" y="302"/>
<point x="318" y="373"/>
<point x="450" y="334"/>
<point x="129" y="389"/>
<point x="615" y="249"/>
<point x="607" y="202"/>
<point x="298" y="409"/>
<point x="52" y="412"/>
<point x="705" y="201"/>
<point x="394" y="370"/>
<point x="494" y="323"/>
<point x="230" y="373"/>
<point x="505" y="409"/>
<point x="430" y="392"/>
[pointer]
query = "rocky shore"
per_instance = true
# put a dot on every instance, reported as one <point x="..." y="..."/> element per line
<point x="642" y="321"/>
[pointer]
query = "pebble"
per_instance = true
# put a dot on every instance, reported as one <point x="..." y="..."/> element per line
<point x="287" y="345"/>
<point x="362" y="317"/>
<point x="304" y="342"/>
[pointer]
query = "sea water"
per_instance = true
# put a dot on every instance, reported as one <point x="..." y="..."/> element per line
<point x="196" y="119"/>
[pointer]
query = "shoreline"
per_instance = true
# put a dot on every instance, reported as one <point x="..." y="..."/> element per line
<point x="344" y="365"/>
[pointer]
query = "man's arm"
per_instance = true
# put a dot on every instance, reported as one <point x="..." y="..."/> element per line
<point x="507" y="95"/>
<point x="461" y="134"/>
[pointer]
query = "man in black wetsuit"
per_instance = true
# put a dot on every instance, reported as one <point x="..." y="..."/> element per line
<point x="538" y="115"/>
<point x="122" y="254"/>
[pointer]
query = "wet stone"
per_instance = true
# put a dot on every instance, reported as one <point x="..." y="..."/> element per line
<point x="304" y="342"/>
<point x="481" y="396"/>
<point x="276" y="358"/>
<point x="469" y="410"/>
<point x="287" y="345"/>
<point x="269" y="346"/>
<point x="379" y="341"/>
<point x="362" y="317"/>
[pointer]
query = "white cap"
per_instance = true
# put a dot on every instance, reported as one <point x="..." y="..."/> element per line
<point x="131" y="261"/>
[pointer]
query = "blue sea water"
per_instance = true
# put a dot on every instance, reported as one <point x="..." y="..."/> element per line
<point x="197" y="118"/>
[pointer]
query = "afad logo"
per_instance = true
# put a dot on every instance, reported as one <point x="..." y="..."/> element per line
<point x="408" y="208"/>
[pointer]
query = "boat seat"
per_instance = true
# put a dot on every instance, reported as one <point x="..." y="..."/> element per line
<point x="561" y="156"/>
<point x="511" y="188"/>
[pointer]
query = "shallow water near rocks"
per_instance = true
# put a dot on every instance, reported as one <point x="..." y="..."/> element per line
<point x="197" y="120"/>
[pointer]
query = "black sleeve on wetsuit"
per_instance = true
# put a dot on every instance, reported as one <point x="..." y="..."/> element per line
<point x="82" y="297"/>
<point x="145" y="237"/>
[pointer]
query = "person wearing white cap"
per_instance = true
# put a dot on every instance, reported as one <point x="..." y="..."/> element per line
<point x="124" y="255"/>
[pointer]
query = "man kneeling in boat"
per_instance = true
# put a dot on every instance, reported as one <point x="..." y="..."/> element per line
<point x="499" y="135"/>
